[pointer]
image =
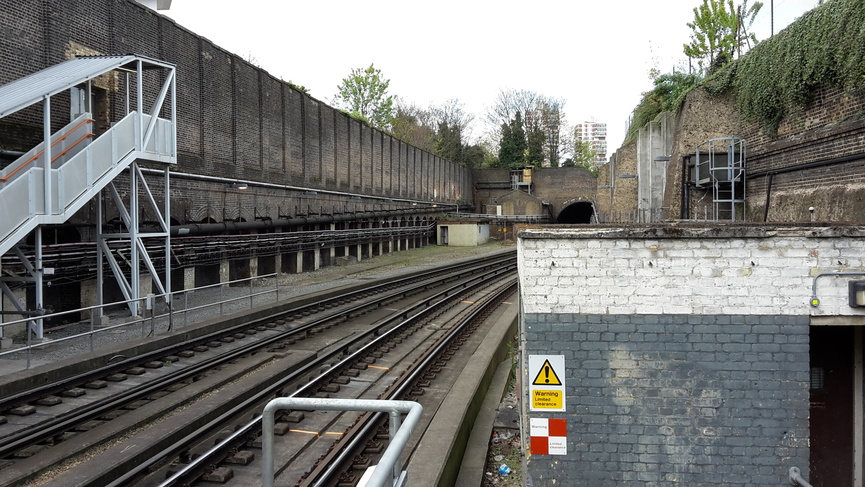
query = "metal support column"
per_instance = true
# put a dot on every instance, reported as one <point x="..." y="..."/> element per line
<point x="99" y="258"/>
<point x="36" y="326"/>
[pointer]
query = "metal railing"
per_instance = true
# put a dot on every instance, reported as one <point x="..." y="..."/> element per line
<point x="796" y="478"/>
<point x="647" y="215"/>
<point x="162" y="311"/>
<point x="506" y="218"/>
<point x="389" y="470"/>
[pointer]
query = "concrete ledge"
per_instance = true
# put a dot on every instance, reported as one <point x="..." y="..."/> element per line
<point x="692" y="230"/>
<point x="459" y="433"/>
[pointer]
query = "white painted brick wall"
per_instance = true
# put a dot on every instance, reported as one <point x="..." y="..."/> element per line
<point x="765" y="272"/>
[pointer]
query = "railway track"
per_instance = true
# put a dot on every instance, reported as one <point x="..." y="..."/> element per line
<point x="207" y="389"/>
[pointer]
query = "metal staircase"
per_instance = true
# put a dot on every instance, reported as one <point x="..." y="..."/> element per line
<point x="31" y="198"/>
<point x="55" y="179"/>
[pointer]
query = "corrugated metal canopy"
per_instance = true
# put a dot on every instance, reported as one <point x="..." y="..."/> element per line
<point x="31" y="89"/>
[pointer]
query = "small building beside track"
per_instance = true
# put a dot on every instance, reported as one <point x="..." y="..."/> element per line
<point x="468" y="232"/>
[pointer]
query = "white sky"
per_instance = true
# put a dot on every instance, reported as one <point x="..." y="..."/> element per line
<point x="596" y="55"/>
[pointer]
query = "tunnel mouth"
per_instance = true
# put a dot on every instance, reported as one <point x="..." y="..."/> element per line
<point x="579" y="212"/>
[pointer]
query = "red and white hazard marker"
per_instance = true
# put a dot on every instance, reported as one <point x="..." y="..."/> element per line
<point x="548" y="436"/>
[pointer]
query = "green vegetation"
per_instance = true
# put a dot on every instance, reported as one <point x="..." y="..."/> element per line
<point x="543" y="129"/>
<point x="363" y="95"/>
<point x="512" y="148"/>
<point x="778" y="77"/>
<point x="670" y="89"/>
<point x="584" y="156"/>
<point x="719" y="32"/>
<point x="300" y="88"/>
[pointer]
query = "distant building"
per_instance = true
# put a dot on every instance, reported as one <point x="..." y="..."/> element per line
<point x="596" y="134"/>
<point x="156" y="4"/>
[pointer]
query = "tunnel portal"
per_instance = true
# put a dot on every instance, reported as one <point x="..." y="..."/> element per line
<point x="577" y="212"/>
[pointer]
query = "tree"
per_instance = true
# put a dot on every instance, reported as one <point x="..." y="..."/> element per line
<point x="476" y="156"/>
<point x="539" y="113"/>
<point x="414" y="125"/>
<point x="671" y="88"/>
<point x="720" y="31"/>
<point x="512" y="147"/>
<point x="440" y="129"/>
<point x="448" y="144"/>
<point x="508" y="103"/>
<point x="535" y="139"/>
<point x="453" y="113"/>
<point x="553" y="121"/>
<point x="745" y="19"/>
<point x="585" y="156"/>
<point x="452" y="124"/>
<point x="363" y="94"/>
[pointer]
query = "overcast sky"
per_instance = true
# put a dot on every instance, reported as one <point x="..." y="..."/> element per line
<point x="596" y="55"/>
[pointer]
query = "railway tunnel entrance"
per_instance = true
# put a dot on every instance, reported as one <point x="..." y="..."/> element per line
<point x="577" y="212"/>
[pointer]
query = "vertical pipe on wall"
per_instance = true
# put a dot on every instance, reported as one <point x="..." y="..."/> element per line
<point x="686" y="194"/>
<point x="768" y="195"/>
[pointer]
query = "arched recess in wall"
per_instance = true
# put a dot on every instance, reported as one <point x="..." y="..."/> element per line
<point x="576" y="212"/>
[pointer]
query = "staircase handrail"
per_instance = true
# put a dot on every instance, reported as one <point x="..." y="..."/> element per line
<point x="77" y="179"/>
<point x="31" y="157"/>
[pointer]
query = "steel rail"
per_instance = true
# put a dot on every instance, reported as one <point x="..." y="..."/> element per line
<point x="252" y="428"/>
<point x="335" y="462"/>
<point x="42" y="390"/>
<point x="13" y="442"/>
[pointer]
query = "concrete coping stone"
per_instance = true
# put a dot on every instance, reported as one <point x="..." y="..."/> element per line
<point x="691" y="230"/>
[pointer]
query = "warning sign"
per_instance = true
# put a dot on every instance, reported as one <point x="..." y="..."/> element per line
<point x="547" y="376"/>
<point x="547" y="388"/>
<point x="548" y="399"/>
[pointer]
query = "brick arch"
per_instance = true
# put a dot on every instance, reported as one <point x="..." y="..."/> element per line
<point x="576" y="211"/>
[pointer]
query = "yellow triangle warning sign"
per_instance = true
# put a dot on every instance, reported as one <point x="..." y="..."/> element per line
<point x="547" y="376"/>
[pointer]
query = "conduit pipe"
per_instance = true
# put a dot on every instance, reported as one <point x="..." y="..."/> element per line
<point x="222" y="180"/>
<point x="224" y="227"/>
<point x="809" y="165"/>
<point x="799" y="167"/>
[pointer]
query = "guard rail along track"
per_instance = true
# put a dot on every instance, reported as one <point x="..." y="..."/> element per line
<point x="306" y="339"/>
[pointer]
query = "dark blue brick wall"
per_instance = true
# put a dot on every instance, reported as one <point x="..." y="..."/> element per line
<point x="676" y="400"/>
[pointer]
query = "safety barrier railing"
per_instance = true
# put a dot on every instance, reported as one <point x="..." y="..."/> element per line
<point x="387" y="472"/>
<point x="33" y="156"/>
<point x="646" y="215"/>
<point x="796" y="478"/>
<point x="161" y="312"/>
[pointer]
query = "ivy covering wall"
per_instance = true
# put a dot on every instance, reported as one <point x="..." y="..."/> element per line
<point x="826" y="46"/>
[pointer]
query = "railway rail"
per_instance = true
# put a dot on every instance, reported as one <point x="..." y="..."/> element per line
<point x="207" y="388"/>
